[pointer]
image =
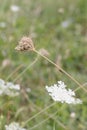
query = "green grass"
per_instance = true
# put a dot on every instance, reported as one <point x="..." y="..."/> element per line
<point x="42" y="21"/>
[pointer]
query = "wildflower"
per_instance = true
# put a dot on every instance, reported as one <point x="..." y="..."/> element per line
<point x="15" y="8"/>
<point x="14" y="126"/>
<point x="61" y="10"/>
<point x="59" y="93"/>
<point x="2" y="24"/>
<point x="66" y="23"/>
<point x="9" y="88"/>
<point x="25" y="44"/>
<point x="28" y="90"/>
<point x="73" y="115"/>
<point x="6" y="62"/>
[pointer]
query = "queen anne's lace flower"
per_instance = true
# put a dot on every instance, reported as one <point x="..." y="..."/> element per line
<point x="15" y="8"/>
<point x="59" y="93"/>
<point x="73" y="115"/>
<point x="8" y="88"/>
<point x="14" y="126"/>
<point x="2" y="24"/>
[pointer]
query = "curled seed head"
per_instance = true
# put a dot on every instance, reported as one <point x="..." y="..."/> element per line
<point x="25" y="44"/>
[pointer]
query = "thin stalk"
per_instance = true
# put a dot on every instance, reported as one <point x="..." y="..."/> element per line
<point x="62" y="70"/>
<point x="29" y="66"/>
<point x="85" y="84"/>
<point x="46" y="108"/>
<point x="14" y="72"/>
<point x="43" y="121"/>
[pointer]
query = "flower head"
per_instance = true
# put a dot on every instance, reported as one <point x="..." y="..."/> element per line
<point x="66" y="23"/>
<point x="8" y="88"/>
<point x="15" y="8"/>
<point x="14" y="126"/>
<point x="25" y="44"/>
<point x="73" y="115"/>
<point x="2" y="24"/>
<point x="59" y="93"/>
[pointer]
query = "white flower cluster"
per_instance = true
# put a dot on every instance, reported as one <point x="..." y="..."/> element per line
<point x="15" y="8"/>
<point x="2" y="24"/>
<point x="8" y="88"/>
<point x="14" y="126"/>
<point x="59" y="93"/>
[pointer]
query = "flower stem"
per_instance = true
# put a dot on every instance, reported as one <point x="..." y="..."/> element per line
<point x="43" y="110"/>
<point x="62" y="70"/>
<point x="29" y="66"/>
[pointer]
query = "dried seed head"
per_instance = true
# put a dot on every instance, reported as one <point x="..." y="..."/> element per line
<point x="25" y="44"/>
<point x="44" y="52"/>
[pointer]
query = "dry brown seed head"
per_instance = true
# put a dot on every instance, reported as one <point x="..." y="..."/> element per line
<point x="25" y="44"/>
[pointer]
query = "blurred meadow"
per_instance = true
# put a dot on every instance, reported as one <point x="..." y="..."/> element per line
<point x="60" y="27"/>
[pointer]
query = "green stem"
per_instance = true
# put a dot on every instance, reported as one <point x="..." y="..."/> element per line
<point x="27" y="68"/>
<point x="38" y="113"/>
